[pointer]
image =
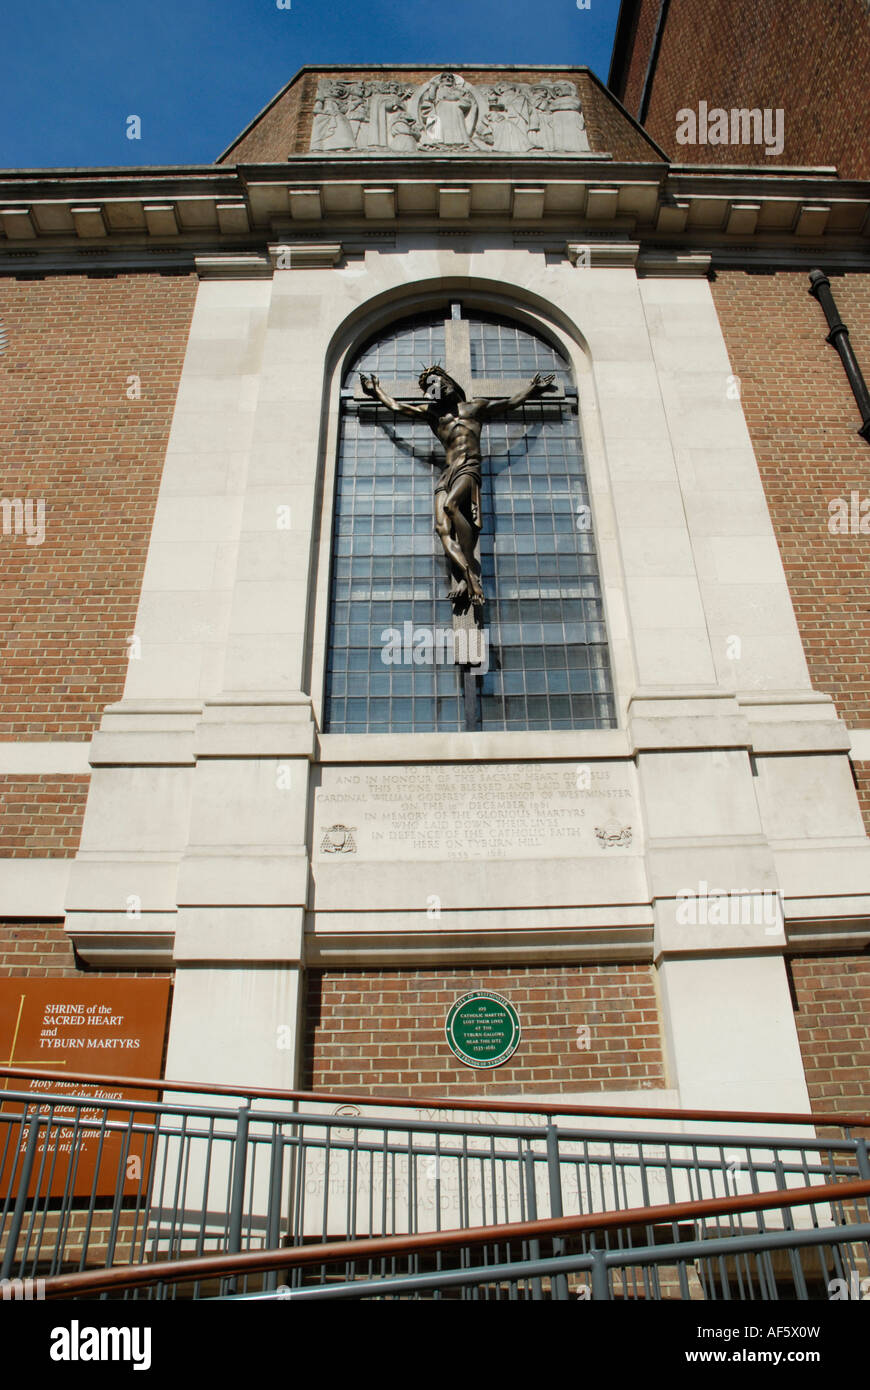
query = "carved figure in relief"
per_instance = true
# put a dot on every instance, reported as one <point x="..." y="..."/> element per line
<point x="449" y="112"/>
<point x="541" y="132"/>
<point x="331" y="129"/>
<point x="358" y="109"/>
<point x="569" y="127"/>
<point x="384" y="98"/>
<point x="457" y="423"/>
<point x="402" y="133"/>
<point x="509" y="116"/>
<point x="376" y="130"/>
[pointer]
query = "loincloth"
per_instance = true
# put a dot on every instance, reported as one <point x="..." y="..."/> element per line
<point x="453" y="473"/>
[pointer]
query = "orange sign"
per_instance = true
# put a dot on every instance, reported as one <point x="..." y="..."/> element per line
<point x="103" y="1025"/>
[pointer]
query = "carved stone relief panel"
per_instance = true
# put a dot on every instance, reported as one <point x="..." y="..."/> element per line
<point x="448" y="114"/>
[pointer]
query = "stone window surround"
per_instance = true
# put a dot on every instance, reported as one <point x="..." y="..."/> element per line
<point x="470" y="317"/>
<point x="475" y="297"/>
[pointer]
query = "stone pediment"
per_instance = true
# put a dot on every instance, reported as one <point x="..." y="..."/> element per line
<point x="366" y="112"/>
<point x="447" y="114"/>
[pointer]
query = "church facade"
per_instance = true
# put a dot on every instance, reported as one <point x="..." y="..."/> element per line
<point x="427" y="577"/>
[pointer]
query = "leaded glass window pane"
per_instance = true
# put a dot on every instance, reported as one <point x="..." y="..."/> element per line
<point x="549" y="665"/>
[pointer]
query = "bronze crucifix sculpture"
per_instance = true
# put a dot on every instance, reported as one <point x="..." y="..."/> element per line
<point x="457" y="423"/>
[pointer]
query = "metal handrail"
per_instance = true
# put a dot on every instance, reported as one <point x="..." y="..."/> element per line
<point x="260" y="1261"/>
<point x="597" y="1265"/>
<point x="711" y="1139"/>
<point x="844" y="1120"/>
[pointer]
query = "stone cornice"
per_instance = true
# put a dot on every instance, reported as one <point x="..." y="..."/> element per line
<point x="55" y="219"/>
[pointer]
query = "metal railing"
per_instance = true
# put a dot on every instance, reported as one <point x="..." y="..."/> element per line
<point x="92" y="1183"/>
<point x="358" y="1268"/>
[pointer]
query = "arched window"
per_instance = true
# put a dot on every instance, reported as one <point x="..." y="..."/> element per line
<point x="546" y="659"/>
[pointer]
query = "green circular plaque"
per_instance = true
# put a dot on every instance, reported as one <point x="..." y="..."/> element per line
<point x="482" y="1029"/>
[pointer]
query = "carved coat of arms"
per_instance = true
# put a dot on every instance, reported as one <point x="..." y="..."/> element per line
<point x="612" y="835"/>
<point x="338" y="839"/>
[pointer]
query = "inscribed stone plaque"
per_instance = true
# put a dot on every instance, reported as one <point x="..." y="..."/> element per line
<point x="471" y="811"/>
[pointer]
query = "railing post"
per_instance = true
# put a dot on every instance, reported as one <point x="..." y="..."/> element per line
<point x="779" y="1177"/>
<point x="237" y="1204"/>
<point x="21" y="1200"/>
<point x="532" y="1209"/>
<point x="599" y="1280"/>
<point x="273" y="1216"/>
<point x="559" y="1282"/>
<point x="863" y="1160"/>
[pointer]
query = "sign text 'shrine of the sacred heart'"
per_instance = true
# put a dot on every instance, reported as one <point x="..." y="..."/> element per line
<point x="457" y="423"/>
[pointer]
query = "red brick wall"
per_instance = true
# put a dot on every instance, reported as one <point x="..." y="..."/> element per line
<point x="382" y="1031"/>
<point x="803" y="420"/>
<point x="41" y="816"/>
<point x="809" y="57"/>
<point x="70" y="435"/>
<point x="42" y="949"/>
<point x="832" y="1004"/>
<point x="36" y="949"/>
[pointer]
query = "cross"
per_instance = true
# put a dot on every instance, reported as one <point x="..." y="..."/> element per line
<point x="457" y="351"/>
<point x="457" y="497"/>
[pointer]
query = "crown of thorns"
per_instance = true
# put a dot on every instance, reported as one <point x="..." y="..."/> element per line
<point x="450" y="381"/>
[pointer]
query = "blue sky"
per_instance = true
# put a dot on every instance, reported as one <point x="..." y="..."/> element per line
<point x="197" y="71"/>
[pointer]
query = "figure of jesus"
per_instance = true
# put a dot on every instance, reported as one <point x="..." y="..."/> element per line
<point x="449" y="112"/>
<point x="457" y="422"/>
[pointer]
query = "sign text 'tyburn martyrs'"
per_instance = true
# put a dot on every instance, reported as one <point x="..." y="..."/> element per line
<point x="102" y="1026"/>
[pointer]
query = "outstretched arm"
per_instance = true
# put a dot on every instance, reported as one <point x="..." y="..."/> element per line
<point x="503" y="403"/>
<point x="373" y="388"/>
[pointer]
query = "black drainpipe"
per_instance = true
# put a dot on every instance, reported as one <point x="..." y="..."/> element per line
<point x="820" y="289"/>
